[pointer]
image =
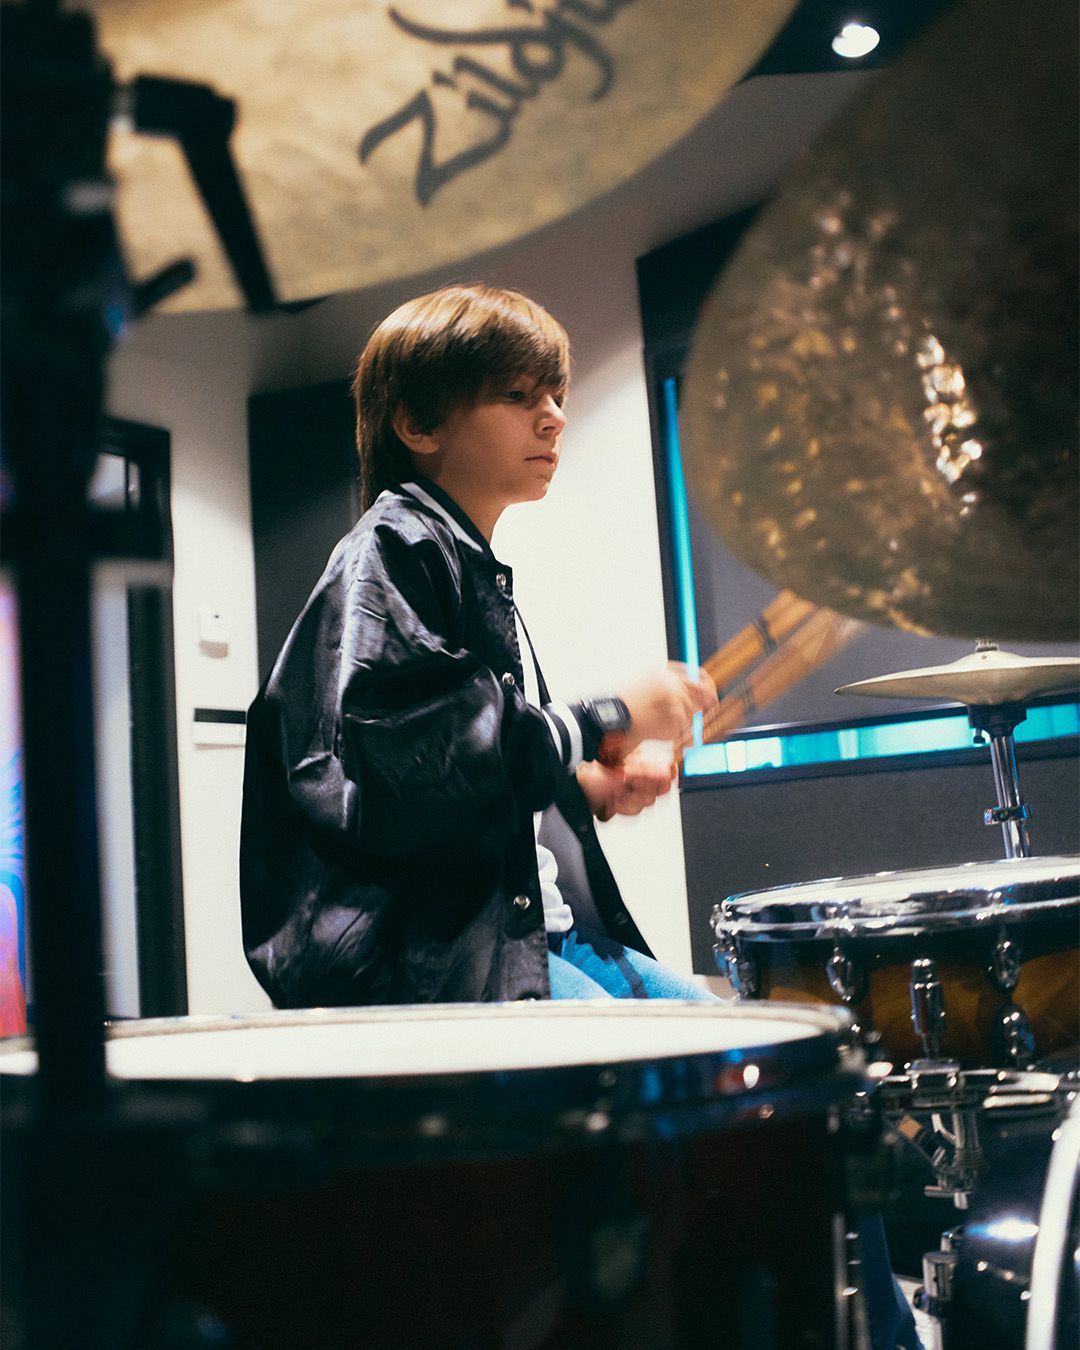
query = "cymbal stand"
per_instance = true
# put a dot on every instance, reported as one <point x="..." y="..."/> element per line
<point x="997" y="725"/>
<point x="85" y="1170"/>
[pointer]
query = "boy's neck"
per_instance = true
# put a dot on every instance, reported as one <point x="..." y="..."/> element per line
<point x="474" y="517"/>
<point x="480" y="511"/>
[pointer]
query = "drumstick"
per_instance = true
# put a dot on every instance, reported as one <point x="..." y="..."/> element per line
<point x="804" y="650"/>
<point x="729" y="663"/>
<point x="760" y="637"/>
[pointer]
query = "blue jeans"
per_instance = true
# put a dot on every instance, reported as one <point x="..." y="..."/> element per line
<point x="597" y="967"/>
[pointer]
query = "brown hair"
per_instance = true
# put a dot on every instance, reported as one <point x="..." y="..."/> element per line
<point x="438" y="353"/>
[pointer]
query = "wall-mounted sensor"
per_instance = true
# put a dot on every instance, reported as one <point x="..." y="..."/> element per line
<point x="214" y="632"/>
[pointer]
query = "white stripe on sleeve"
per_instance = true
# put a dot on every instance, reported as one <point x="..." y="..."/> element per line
<point x="573" y="731"/>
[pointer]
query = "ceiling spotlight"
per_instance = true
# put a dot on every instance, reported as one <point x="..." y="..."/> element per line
<point x="855" y="40"/>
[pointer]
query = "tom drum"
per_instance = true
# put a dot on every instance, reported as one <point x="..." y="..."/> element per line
<point x="998" y="939"/>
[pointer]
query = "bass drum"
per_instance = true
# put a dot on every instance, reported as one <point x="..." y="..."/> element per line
<point x="1017" y="1272"/>
<point x="1016" y="1245"/>
<point x="641" y="1176"/>
<point x="1002" y="937"/>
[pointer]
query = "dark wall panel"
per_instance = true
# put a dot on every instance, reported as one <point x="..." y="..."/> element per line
<point x="758" y="834"/>
<point x="302" y="459"/>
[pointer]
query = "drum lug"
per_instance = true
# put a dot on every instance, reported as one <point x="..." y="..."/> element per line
<point x="738" y="966"/>
<point x="1011" y="1037"/>
<point x="1005" y="964"/>
<point x="927" y="1005"/>
<point x="846" y="976"/>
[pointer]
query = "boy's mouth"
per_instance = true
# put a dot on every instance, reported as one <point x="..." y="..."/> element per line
<point x="548" y="457"/>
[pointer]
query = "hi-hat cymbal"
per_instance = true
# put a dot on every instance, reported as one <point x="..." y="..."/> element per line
<point x="880" y="410"/>
<point x="984" y="679"/>
<point x="376" y="141"/>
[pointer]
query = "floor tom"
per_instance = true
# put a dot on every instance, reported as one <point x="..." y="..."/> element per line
<point x="538" y="1175"/>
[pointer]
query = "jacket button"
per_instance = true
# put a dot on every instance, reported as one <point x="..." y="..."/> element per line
<point x="509" y="680"/>
<point x="522" y="902"/>
<point x="500" y="580"/>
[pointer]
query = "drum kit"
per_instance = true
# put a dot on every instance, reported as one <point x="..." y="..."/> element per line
<point x="850" y="435"/>
<point x="626" y="1176"/>
<point x="965" y="986"/>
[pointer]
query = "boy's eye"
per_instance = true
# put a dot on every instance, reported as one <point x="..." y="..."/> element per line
<point x="515" y="395"/>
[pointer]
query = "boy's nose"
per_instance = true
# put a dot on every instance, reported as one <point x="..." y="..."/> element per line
<point x="551" y="415"/>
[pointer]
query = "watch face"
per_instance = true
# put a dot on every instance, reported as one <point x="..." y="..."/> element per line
<point x="611" y="714"/>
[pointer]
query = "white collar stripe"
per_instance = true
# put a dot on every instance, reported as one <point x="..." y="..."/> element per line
<point x="421" y="496"/>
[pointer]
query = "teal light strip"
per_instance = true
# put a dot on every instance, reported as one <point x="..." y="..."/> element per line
<point x="679" y="520"/>
<point x="947" y="731"/>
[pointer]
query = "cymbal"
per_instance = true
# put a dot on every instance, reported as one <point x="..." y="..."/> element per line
<point x="880" y="409"/>
<point x="985" y="678"/>
<point x="377" y="141"/>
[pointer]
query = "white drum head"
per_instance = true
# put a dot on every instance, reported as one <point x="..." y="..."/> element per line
<point x="439" y="1040"/>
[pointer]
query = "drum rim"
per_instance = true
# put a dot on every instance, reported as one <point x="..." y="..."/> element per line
<point x="832" y="1023"/>
<point x="824" y="1018"/>
<point x="832" y="1046"/>
<point x="522" y="1109"/>
<point x="911" y="921"/>
<point x="1013" y="899"/>
<point x="1052" y="1240"/>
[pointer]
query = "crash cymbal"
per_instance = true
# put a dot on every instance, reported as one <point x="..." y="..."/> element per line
<point x="376" y="140"/>
<point x="880" y="410"/>
<point x="985" y="678"/>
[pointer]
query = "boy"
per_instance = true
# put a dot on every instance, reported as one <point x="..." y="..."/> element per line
<point x="402" y="751"/>
<point x="404" y="746"/>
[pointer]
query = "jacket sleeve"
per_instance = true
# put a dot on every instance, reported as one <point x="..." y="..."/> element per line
<point x="444" y="754"/>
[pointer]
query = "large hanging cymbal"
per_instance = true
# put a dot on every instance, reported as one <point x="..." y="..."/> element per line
<point x="881" y="402"/>
<point x="984" y="679"/>
<point x="376" y="141"/>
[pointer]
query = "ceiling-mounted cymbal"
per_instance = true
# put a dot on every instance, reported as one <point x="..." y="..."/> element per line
<point x="379" y="140"/>
<point x="984" y="679"/>
<point x="881" y="404"/>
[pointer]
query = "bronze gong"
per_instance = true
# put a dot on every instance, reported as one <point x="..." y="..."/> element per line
<point x="881" y="403"/>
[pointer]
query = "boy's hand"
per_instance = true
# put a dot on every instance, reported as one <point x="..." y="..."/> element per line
<point x="662" y="707"/>
<point x="626" y="790"/>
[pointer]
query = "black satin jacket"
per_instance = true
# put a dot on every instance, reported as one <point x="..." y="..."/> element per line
<point x="393" y="766"/>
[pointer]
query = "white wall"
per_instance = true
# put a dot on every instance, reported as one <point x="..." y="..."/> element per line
<point x="593" y="541"/>
<point x="191" y="376"/>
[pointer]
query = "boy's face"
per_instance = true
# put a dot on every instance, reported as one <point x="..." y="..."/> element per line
<point x="502" y="449"/>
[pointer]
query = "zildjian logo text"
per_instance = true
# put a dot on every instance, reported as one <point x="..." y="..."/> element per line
<point x="537" y="54"/>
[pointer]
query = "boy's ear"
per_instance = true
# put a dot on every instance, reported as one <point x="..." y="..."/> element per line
<point x="410" y="433"/>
